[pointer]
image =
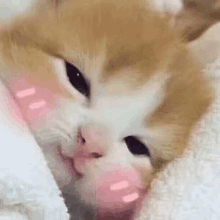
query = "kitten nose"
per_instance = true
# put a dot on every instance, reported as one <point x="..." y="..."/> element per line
<point x="93" y="139"/>
<point x="90" y="147"/>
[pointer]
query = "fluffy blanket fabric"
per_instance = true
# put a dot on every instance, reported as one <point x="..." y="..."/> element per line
<point x="189" y="188"/>
<point x="27" y="188"/>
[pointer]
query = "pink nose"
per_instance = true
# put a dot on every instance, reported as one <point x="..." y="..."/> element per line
<point x="90" y="145"/>
<point x="116" y="187"/>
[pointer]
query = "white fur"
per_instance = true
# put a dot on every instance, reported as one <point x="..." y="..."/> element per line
<point x="167" y="6"/>
<point x="125" y="113"/>
<point x="10" y="10"/>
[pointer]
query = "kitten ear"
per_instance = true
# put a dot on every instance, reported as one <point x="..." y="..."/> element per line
<point x="197" y="17"/>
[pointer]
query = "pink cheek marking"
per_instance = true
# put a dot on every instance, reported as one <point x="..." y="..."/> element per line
<point x="35" y="102"/>
<point x="118" y="186"/>
<point x="37" y="105"/>
<point x="118" y="190"/>
<point x="130" y="198"/>
<point x="122" y="185"/>
<point x="26" y="92"/>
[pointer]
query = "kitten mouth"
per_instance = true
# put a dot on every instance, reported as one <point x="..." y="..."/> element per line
<point x="78" y="174"/>
<point x="69" y="161"/>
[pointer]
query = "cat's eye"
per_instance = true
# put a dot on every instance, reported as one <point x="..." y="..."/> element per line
<point x="136" y="147"/>
<point x="77" y="80"/>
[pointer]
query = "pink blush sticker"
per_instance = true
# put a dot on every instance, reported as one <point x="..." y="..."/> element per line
<point x="34" y="102"/>
<point x="118" y="186"/>
<point x="26" y="92"/>
<point x="36" y="105"/>
<point x="130" y="198"/>
<point x="118" y="190"/>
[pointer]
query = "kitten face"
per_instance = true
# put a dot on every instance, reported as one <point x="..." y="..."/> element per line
<point x="146" y="90"/>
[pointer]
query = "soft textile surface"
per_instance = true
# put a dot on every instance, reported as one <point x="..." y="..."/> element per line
<point x="27" y="188"/>
<point x="189" y="188"/>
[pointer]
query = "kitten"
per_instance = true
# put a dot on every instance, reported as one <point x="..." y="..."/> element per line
<point x="147" y="93"/>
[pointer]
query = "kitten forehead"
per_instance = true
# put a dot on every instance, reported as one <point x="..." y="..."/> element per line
<point x="127" y="82"/>
<point x="130" y="27"/>
<point x="124" y="112"/>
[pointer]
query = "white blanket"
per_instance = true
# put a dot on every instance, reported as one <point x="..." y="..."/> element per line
<point x="27" y="188"/>
<point x="189" y="188"/>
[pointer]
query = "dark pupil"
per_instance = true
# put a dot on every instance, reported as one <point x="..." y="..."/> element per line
<point x="77" y="80"/>
<point x="136" y="147"/>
